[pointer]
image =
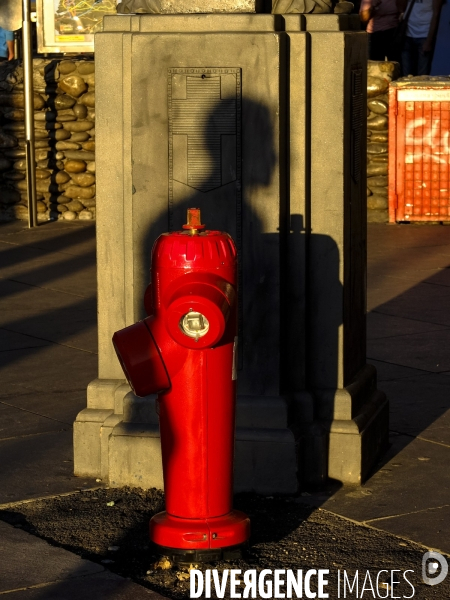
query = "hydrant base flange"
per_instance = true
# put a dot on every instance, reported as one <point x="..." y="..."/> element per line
<point x="214" y="533"/>
<point x="190" y="557"/>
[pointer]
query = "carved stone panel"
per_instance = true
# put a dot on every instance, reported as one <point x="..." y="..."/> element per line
<point x="205" y="144"/>
<point x="204" y="132"/>
<point x="357" y="119"/>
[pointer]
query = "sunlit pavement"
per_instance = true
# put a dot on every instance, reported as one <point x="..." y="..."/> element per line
<point x="48" y="355"/>
<point x="408" y="325"/>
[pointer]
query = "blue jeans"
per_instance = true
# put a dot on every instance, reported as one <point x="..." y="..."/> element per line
<point x="414" y="60"/>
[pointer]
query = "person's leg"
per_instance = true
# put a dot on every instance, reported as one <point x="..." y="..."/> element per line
<point x="409" y="57"/>
<point x="377" y="47"/>
<point x="423" y="59"/>
<point x="381" y="44"/>
<point x="392" y="50"/>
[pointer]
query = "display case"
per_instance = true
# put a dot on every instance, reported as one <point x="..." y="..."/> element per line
<point x="70" y="25"/>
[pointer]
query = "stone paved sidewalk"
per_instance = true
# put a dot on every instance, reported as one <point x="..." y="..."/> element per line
<point x="31" y="569"/>
<point x="48" y="356"/>
<point x="409" y="343"/>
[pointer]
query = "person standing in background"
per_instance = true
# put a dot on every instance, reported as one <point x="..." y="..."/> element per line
<point x="6" y="45"/>
<point x="441" y="54"/>
<point x="382" y="18"/>
<point x="422" y="26"/>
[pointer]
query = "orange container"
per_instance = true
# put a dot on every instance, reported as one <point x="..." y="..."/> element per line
<point x="419" y="155"/>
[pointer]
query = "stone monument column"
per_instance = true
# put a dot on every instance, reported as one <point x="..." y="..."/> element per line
<point x="349" y="411"/>
<point x="257" y="119"/>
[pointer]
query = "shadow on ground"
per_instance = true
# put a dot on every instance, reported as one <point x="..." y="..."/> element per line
<point x="48" y="353"/>
<point x="110" y="528"/>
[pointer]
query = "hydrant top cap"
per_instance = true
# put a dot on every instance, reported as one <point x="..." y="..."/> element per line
<point x="209" y="249"/>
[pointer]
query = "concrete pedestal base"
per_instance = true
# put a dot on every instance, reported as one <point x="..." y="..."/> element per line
<point x="124" y="448"/>
<point x="356" y="445"/>
<point x="358" y="433"/>
<point x="349" y="433"/>
<point x="287" y="181"/>
<point x="278" y="443"/>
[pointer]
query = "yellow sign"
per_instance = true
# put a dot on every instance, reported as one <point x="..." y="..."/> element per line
<point x="69" y="38"/>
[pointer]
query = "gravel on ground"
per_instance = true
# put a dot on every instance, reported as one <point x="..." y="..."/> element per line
<point x="110" y="526"/>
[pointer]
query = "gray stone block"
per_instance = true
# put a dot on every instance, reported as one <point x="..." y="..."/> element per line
<point x="119" y="397"/>
<point x="321" y="22"/>
<point x="355" y="445"/>
<point x="225" y="207"/>
<point x="356" y="419"/>
<point x="135" y="456"/>
<point x="106" y="430"/>
<point x="293" y="323"/>
<point x="174" y="7"/>
<point x="87" y="441"/>
<point x="204" y="23"/>
<point x="336" y="274"/>
<point x="265" y="461"/>
<point x="140" y="410"/>
<point x="262" y="412"/>
<point x="295" y="205"/>
<point x="344" y="404"/>
<point x="332" y="22"/>
<point x="101" y="393"/>
<point x="313" y="444"/>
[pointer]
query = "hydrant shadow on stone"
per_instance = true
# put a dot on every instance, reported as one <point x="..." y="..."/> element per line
<point x="218" y="155"/>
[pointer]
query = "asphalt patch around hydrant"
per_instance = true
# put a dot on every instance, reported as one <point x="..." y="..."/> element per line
<point x="110" y="526"/>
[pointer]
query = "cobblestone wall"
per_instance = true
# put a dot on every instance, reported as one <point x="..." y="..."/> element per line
<point x="380" y="74"/>
<point x="64" y="95"/>
<point x="64" y="103"/>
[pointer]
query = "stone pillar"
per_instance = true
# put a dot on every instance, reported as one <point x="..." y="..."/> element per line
<point x="258" y="120"/>
<point x="349" y="427"/>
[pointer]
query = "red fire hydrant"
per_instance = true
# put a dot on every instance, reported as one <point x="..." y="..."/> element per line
<point x="185" y="351"/>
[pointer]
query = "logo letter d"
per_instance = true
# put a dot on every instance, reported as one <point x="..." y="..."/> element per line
<point x="430" y="568"/>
